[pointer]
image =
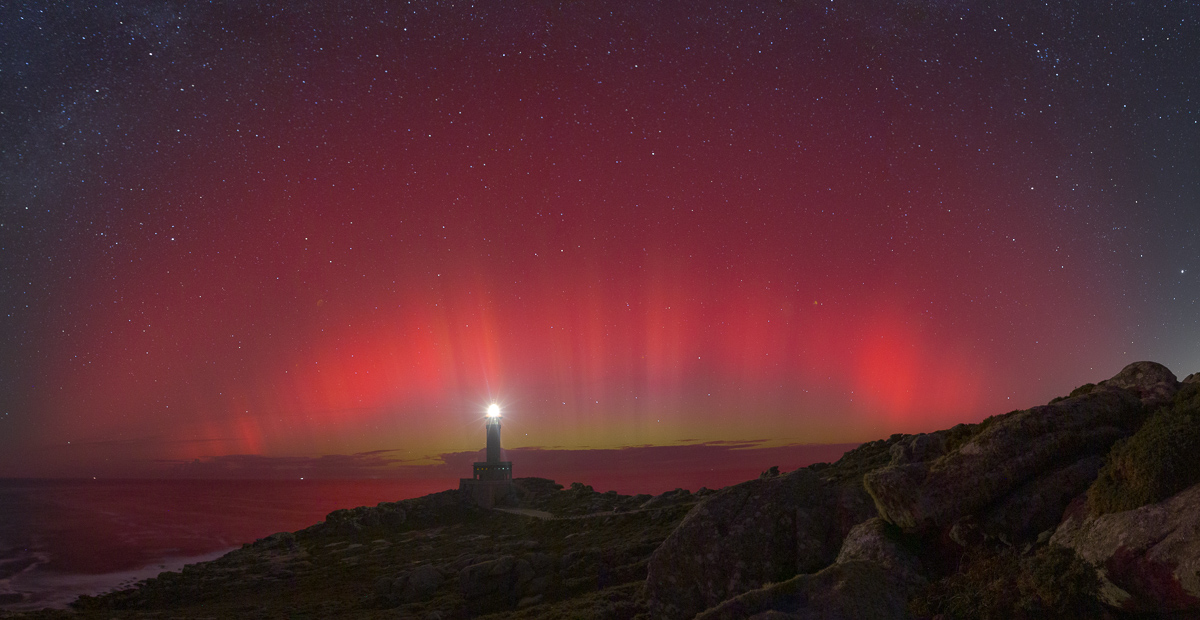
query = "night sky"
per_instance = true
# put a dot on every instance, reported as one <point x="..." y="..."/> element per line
<point x="330" y="230"/>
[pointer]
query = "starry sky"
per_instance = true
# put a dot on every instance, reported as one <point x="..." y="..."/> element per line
<point x="315" y="230"/>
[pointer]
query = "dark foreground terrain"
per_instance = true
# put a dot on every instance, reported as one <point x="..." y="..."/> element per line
<point x="1088" y="507"/>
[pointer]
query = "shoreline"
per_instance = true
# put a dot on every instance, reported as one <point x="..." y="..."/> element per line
<point x="41" y="589"/>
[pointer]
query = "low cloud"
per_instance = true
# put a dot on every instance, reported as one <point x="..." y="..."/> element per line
<point x="376" y="464"/>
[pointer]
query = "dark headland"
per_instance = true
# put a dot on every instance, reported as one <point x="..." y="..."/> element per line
<point x="1087" y="507"/>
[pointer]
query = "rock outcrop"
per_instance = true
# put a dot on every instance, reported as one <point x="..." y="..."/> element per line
<point x="858" y="590"/>
<point x="353" y="520"/>
<point x="1153" y="383"/>
<point x="761" y="531"/>
<point x="871" y="579"/>
<point x="1037" y="506"/>
<point x="495" y="584"/>
<point x="876" y="540"/>
<point x="418" y="584"/>
<point x="923" y="488"/>
<point x="1148" y="558"/>
<point x="418" y="512"/>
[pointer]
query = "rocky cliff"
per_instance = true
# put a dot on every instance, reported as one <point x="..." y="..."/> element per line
<point x="1009" y="518"/>
<point x="1087" y="507"/>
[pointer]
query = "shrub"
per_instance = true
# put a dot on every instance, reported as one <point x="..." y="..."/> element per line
<point x="770" y="473"/>
<point x="983" y="587"/>
<point x="1086" y="388"/>
<point x="853" y="464"/>
<point x="1056" y="583"/>
<point x="1187" y="400"/>
<point x="994" y="585"/>
<point x="961" y="434"/>
<point x="1154" y="463"/>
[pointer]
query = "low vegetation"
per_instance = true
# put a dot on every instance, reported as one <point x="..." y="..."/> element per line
<point x="1086" y="388"/>
<point x="1003" y="585"/>
<point x="853" y="464"/>
<point x="1156" y="462"/>
<point x="961" y="434"/>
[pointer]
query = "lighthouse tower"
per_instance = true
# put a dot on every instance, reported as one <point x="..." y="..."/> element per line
<point x="492" y="479"/>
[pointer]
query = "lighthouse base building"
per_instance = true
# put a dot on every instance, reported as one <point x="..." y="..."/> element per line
<point x="492" y="483"/>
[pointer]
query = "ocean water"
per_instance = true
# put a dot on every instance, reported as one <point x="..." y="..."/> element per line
<point x="63" y="538"/>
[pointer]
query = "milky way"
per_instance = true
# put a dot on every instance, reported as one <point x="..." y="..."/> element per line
<point x="308" y="229"/>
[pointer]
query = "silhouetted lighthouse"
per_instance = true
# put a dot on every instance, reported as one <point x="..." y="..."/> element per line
<point x="492" y="478"/>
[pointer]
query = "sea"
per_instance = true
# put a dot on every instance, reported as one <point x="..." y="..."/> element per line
<point x="60" y="539"/>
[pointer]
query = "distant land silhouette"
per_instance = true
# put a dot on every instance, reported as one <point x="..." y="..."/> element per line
<point x="630" y="469"/>
<point x="1086" y="507"/>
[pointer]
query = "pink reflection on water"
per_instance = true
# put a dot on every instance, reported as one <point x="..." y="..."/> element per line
<point x="63" y="538"/>
<point x="93" y="527"/>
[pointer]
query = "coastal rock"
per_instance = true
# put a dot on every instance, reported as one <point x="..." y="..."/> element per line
<point x="744" y="536"/>
<point x="1148" y="558"/>
<point x="1038" y="505"/>
<point x="422" y="582"/>
<point x="875" y="540"/>
<point x="853" y="590"/>
<point x="495" y="584"/>
<point x="918" y="448"/>
<point x="352" y="520"/>
<point x="1009" y="452"/>
<point x="283" y="541"/>
<point x="1154" y="383"/>
<point x="872" y="579"/>
<point x="416" y="585"/>
<point x="669" y="498"/>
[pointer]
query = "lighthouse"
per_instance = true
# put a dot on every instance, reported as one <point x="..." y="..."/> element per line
<point x="492" y="478"/>
<point x="493" y="434"/>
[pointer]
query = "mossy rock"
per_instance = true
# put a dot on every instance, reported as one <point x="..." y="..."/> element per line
<point x="1001" y="584"/>
<point x="1154" y="463"/>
